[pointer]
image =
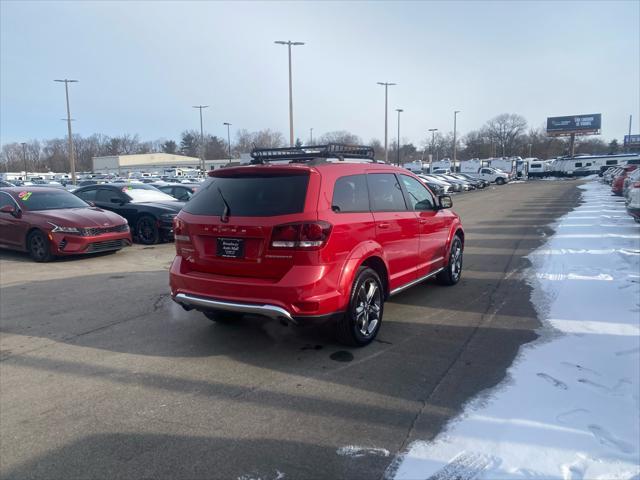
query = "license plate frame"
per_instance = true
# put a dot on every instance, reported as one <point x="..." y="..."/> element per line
<point x="230" y="247"/>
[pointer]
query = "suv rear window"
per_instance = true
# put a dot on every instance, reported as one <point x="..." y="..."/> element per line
<point x="350" y="194"/>
<point x="251" y="196"/>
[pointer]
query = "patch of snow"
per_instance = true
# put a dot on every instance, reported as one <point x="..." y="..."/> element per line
<point x="356" y="451"/>
<point x="569" y="408"/>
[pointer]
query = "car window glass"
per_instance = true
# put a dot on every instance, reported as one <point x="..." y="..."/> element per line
<point x="419" y="197"/>
<point x="350" y="194"/>
<point x="485" y="170"/>
<point x="6" y="199"/>
<point x="386" y="194"/>
<point x="251" y="195"/>
<point x="105" y="195"/>
<point x="87" y="195"/>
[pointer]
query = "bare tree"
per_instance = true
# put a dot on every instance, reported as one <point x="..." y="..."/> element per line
<point x="247" y="141"/>
<point x="506" y="130"/>
<point x="340" y="136"/>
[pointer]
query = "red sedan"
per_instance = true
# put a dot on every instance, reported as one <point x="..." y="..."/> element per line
<point x="618" y="181"/>
<point x="49" y="222"/>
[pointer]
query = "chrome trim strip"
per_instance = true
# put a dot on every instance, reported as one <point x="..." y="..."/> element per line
<point x="413" y="282"/>
<point x="270" y="311"/>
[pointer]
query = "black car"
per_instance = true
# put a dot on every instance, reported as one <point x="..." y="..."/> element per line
<point x="6" y="184"/>
<point x="180" y="191"/>
<point x="149" y="211"/>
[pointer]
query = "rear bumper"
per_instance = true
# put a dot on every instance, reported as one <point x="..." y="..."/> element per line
<point x="189" y="302"/>
<point x="304" y="294"/>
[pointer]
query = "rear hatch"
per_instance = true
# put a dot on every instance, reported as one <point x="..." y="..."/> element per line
<point x="229" y="222"/>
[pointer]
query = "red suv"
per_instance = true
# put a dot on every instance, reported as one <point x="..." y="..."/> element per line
<point x="311" y="234"/>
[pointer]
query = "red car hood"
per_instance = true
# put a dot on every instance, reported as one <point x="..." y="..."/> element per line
<point x="80" y="217"/>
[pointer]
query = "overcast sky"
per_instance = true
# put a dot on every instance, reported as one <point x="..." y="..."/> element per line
<point x="142" y="66"/>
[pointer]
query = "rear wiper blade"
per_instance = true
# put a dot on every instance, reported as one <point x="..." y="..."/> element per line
<point x="227" y="209"/>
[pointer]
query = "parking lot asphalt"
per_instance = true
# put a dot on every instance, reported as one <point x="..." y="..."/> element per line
<point x="103" y="376"/>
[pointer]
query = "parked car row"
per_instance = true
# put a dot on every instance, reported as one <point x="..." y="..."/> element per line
<point x="625" y="182"/>
<point x="447" y="183"/>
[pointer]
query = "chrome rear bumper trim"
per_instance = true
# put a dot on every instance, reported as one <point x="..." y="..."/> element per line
<point x="206" y="303"/>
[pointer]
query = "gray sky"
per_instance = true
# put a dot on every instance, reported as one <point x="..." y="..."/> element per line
<point x="143" y="65"/>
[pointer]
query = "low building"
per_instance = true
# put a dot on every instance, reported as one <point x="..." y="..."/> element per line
<point x="155" y="163"/>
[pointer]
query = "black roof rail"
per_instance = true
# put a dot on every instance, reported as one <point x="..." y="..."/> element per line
<point x="312" y="152"/>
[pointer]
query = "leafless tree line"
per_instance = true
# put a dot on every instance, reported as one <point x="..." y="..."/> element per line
<point x="504" y="135"/>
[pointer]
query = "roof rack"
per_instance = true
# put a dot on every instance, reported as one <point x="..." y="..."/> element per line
<point x="312" y="152"/>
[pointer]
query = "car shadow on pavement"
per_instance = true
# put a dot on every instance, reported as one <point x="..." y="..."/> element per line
<point x="164" y="456"/>
<point x="15" y="256"/>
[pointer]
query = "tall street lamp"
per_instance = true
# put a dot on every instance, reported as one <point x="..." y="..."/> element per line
<point x="72" y="160"/>
<point x="202" y="164"/>
<point x="311" y="136"/>
<point x="529" y="150"/>
<point x="289" y="43"/>
<point x="228" y="138"/>
<point x="399" y="110"/>
<point x="455" y="131"/>
<point x="386" y="86"/>
<point x="24" y="159"/>
<point x="433" y="141"/>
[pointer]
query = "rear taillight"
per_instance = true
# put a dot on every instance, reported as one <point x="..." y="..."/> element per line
<point x="302" y="236"/>
<point x="182" y="238"/>
<point x="635" y="185"/>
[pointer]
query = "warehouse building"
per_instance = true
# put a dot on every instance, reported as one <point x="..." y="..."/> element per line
<point x="154" y="163"/>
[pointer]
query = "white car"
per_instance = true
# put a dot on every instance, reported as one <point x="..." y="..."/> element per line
<point x="632" y="200"/>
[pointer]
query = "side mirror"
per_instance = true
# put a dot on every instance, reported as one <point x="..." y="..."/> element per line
<point x="12" y="210"/>
<point x="445" y="201"/>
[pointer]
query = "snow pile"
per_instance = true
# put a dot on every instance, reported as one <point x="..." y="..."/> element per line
<point x="570" y="407"/>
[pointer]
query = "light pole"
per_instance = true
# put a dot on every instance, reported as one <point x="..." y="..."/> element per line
<point x="529" y="150"/>
<point x="455" y="131"/>
<point x="72" y="160"/>
<point x="433" y="141"/>
<point x="228" y="138"/>
<point x="202" y="164"/>
<point x="386" y="86"/>
<point x="289" y="43"/>
<point x="311" y="136"/>
<point x="24" y="159"/>
<point x="399" y="110"/>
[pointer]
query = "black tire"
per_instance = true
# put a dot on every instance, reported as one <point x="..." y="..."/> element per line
<point x="361" y="322"/>
<point x="223" y="317"/>
<point x="147" y="231"/>
<point x="499" y="181"/>
<point x="453" y="271"/>
<point x="39" y="247"/>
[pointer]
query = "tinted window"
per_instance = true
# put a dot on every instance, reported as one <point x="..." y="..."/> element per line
<point x="612" y="162"/>
<point x="49" y="200"/>
<point x="105" y="195"/>
<point x="251" y="196"/>
<point x="5" y="199"/>
<point x="486" y="170"/>
<point x="87" y="195"/>
<point x="536" y="165"/>
<point x="350" y="194"/>
<point x="419" y="197"/>
<point x="385" y="192"/>
<point x="578" y="164"/>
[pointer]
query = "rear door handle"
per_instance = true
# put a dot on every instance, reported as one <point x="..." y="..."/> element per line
<point x="383" y="225"/>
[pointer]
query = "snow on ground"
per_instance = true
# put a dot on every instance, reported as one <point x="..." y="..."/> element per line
<point x="570" y="406"/>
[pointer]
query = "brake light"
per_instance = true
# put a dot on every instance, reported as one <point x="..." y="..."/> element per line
<point x="181" y="237"/>
<point x="302" y="236"/>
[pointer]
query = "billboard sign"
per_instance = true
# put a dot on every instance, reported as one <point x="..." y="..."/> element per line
<point x="578" y="124"/>
<point x="632" y="141"/>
